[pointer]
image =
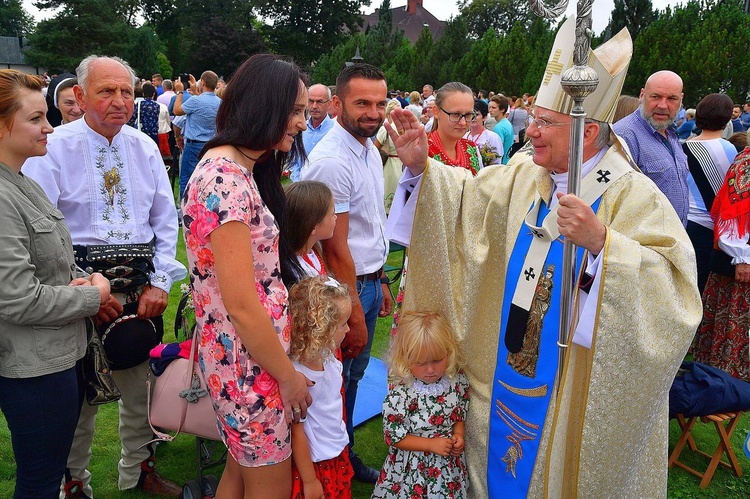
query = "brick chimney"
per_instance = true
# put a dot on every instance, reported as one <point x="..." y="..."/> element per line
<point x="411" y="6"/>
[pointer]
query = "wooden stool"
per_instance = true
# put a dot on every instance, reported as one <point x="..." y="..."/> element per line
<point x="725" y="425"/>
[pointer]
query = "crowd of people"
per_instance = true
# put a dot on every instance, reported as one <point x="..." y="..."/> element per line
<point x="288" y="277"/>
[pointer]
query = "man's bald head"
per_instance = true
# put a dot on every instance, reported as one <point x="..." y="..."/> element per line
<point x="318" y="100"/>
<point x="661" y="97"/>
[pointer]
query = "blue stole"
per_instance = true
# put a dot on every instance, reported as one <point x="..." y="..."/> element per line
<point x="520" y="401"/>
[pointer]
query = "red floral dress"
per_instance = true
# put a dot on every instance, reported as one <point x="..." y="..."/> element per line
<point x="722" y="339"/>
<point x="246" y="397"/>
<point x="423" y="410"/>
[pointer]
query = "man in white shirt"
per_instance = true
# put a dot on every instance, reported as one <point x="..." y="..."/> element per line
<point x="110" y="183"/>
<point x="346" y="160"/>
<point x="428" y="95"/>
<point x="166" y="96"/>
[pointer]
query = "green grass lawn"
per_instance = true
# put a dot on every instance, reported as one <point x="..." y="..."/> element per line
<point x="178" y="460"/>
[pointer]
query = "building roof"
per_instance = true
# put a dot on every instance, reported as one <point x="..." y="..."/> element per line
<point x="410" y="23"/>
<point x="10" y="51"/>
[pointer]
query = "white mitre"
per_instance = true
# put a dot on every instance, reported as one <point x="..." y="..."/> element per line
<point x="610" y="61"/>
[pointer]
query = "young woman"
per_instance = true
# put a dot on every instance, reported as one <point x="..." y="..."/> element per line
<point x="240" y="258"/>
<point x="454" y="113"/>
<point x="43" y="311"/>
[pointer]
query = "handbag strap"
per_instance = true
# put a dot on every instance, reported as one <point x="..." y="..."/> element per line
<point x="161" y="436"/>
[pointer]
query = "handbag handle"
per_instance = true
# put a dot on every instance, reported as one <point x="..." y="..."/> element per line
<point x="161" y="436"/>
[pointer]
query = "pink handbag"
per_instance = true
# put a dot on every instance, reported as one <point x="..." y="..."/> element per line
<point x="179" y="401"/>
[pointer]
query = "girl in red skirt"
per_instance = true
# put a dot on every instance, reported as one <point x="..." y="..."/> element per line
<point x="320" y="308"/>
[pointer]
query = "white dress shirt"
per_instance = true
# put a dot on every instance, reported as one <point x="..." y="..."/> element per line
<point x="112" y="194"/>
<point x="354" y="173"/>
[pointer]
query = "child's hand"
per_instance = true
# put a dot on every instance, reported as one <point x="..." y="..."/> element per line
<point x="442" y="446"/>
<point x="313" y="489"/>
<point x="458" y="445"/>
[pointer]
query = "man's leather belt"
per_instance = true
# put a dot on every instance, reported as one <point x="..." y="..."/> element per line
<point x="191" y="141"/>
<point x="126" y="266"/>
<point x="372" y="276"/>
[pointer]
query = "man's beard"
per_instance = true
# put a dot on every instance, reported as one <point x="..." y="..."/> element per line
<point x="651" y="121"/>
<point x="354" y="127"/>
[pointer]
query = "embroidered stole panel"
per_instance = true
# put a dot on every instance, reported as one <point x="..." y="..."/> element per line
<point x="524" y="380"/>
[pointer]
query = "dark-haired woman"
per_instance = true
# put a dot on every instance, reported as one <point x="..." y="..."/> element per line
<point x="43" y="301"/>
<point x="233" y="215"/>
<point x="709" y="157"/>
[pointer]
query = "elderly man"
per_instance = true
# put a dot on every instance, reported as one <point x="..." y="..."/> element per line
<point x="318" y="124"/>
<point x="346" y="160"/>
<point x="110" y="183"/>
<point x="601" y="431"/>
<point x="652" y="141"/>
<point x="200" y="125"/>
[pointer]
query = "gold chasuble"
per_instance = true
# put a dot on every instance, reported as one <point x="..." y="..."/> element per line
<point x="607" y="436"/>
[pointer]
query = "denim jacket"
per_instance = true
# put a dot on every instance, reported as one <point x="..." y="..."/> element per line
<point x="42" y="326"/>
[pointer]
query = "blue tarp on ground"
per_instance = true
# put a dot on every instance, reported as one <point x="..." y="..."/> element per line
<point x="371" y="392"/>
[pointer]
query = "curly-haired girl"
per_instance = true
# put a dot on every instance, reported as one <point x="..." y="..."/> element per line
<point x="423" y="413"/>
<point x="320" y="308"/>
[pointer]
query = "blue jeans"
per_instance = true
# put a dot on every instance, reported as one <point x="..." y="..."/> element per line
<point x="42" y="413"/>
<point x="189" y="161"/>
<point x="371" y="296"/>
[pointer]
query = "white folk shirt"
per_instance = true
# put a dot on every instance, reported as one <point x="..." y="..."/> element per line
<point x="111" y="194"/>
<point x="354" y="173"/>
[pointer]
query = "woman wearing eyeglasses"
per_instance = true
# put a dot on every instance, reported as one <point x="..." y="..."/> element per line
<point x="454" y="112"/>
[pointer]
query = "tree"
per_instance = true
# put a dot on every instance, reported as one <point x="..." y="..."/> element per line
<point x="205" y="34"/>
<point x="219" y="34"/>
<point x="81" y="28"/>
<point x="636" y="15"/>
<point x="398" y="69"/>
<point x="328" y="66"/>
<point x="447" y="51"/>
<point x="702" y="42"/>
<point x="307" y="29"/>
<point x="14" y="20"/>
<point x="422" y="72"/>
<point x="509" y="61"/>
<point x="497" y="15"/>
<point x="380" y="38"/>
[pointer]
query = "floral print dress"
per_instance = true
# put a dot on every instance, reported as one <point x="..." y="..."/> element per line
<point x="245" y="396"/>
<point x="423" y="410"/>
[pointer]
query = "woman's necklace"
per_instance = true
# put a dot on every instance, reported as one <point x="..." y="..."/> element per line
<point x="247" y="156"/>
<point x="474" y="138"/>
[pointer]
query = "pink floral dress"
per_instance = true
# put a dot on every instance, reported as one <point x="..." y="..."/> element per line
<point x="246" y="398"/>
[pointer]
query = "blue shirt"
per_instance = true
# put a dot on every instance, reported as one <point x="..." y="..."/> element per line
<point x="745" y="120"/>
<point x="201" y="116"/>
<point x="737" y="125"/>
<point x="684" y="130"/>
<point x="660" y="158"/>
<point x="504" y="129"/>
<point x="310" y="139"/>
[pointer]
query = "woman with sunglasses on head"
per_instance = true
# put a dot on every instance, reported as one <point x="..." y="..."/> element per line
<point x="44" y="303"/>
